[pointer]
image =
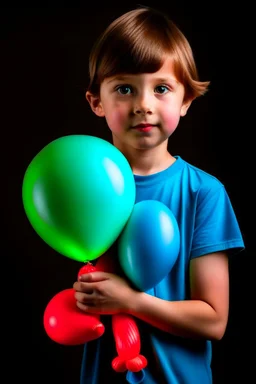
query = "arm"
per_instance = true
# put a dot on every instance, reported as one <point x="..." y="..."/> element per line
<point x="205" y="315"/>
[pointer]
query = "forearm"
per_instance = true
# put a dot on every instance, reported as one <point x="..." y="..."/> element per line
<point x="188" y="318"/>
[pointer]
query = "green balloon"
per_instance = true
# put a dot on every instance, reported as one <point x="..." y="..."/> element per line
<point x="78" y="193"/>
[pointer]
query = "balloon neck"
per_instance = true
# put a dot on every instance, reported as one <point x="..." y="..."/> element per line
<point x="88" y="262"/>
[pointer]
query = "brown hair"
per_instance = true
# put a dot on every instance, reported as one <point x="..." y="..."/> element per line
<point x="138" y="42"/>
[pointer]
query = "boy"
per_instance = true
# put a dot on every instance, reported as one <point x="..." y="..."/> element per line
<point x="143" y="78"/>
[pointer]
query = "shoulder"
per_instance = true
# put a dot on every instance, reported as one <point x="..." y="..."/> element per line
<point x="200" y="180"/>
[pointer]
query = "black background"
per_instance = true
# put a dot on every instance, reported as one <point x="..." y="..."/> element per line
<point x="45" y="52"/>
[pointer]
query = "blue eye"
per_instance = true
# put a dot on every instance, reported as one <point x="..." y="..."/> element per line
<point x="161" y="89"/>
<point x="124" y="89"/>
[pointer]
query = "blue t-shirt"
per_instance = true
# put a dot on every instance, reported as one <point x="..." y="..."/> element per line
<point x="207" y="224"/>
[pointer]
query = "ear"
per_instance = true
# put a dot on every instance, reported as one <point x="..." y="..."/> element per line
<point x="185" y="107"/>
<point x="95" y="104"/>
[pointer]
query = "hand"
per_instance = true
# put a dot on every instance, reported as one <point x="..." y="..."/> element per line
<point x="103" y="293"/>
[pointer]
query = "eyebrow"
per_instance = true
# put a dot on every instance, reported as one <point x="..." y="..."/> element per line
<point x="157" y="80"/>
<point x="112" y="79"/>
<point x="166" y="80"/>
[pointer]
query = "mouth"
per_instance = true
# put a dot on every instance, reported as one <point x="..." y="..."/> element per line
<point x="143" y="127"/>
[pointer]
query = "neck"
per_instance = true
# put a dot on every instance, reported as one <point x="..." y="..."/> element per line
<point x="146" y="161"/>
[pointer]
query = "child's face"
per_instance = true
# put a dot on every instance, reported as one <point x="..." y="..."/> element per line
<point x="141" y="110"/>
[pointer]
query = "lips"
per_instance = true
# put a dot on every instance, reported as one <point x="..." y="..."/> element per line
<point x="143" y="127"/>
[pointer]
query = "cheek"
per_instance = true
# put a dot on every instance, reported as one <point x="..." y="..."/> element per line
<point x="171" y="120"/>
<point x="116" y="119"/>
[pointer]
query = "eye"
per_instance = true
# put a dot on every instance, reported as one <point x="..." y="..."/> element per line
<point x="161" y="89"/>
<point x="124" y="89"/>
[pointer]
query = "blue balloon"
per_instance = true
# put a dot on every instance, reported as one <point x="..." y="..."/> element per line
<point x="149" y="244"/>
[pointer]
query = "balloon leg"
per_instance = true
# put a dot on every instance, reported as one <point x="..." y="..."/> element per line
<point x="66" y="324"/>
<point x="127" y="339"/>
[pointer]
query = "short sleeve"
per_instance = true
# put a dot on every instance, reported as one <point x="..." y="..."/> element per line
<point x="216" y="227"/>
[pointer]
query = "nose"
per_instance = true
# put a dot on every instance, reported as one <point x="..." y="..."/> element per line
<point x="142" y="111"/>
<point x="143" y="105"/>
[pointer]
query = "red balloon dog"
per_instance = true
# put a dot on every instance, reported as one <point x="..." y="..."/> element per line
<point x="66" y="324"/>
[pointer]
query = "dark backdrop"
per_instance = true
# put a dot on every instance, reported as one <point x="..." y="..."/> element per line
<point x="45" y="49"/>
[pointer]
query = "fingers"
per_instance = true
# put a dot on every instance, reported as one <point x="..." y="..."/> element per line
<point x="87" y="288"/>
<point x="85" y="293"/>
<point x="85" y="298"/>
<point x="89" y="308"/>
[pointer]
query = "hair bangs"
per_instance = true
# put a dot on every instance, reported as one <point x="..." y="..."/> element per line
<point x="131" y="54"/>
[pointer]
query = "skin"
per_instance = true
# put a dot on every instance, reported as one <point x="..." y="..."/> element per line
<point x="157" y="101"/>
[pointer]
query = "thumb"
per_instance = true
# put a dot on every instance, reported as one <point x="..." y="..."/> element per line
<point x="94" y="276"/>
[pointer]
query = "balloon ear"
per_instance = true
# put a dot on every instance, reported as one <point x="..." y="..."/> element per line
<point x="66" y="324"/>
